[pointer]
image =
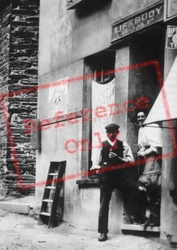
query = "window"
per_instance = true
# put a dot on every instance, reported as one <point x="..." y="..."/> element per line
<point x="100" y="70"/>
<point x="102" y="67"/>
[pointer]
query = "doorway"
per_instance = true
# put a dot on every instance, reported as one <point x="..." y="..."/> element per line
<point x="144" y="80"/>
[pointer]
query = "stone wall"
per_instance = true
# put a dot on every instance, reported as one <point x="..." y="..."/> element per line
<point x="5" y="26"/>
<point x="18" y="73"/>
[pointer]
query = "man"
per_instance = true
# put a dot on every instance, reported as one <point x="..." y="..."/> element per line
<point x="115" y="158"/>
<point x="150" y="145"/>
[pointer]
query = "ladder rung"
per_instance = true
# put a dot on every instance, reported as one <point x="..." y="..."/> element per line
<point x="53" y="174"/>
<point x="50" y="187"/>
<point x="45" y="214"/>
<point x="48" y="200"/>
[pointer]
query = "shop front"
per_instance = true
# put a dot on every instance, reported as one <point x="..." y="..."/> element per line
<point x="164" y="110"/>
<point x="156" y="81"/>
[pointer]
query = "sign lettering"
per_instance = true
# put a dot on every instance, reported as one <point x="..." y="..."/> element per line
<point x="138" y="22"/>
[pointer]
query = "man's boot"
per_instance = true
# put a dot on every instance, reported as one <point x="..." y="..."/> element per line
<point x="102" y="237"/>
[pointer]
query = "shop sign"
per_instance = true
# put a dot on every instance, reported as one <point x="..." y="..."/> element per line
<point x="137" y="22"/>
<point x="170" y="9"/>
<point x="171" y="39"/>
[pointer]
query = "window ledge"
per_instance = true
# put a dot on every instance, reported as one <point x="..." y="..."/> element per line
<point x="92" y="181"/>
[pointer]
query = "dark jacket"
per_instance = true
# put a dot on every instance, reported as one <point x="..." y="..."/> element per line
<point x="106" y="149"/>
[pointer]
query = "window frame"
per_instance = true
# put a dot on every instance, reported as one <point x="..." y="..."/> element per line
<point x="168" y="12"/>
<point x="94" y="69"/>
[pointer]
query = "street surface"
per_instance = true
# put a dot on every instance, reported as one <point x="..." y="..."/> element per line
<point x="20" y="232"/>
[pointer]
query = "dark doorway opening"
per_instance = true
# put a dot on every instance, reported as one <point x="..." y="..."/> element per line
<point x="144" y="80"/>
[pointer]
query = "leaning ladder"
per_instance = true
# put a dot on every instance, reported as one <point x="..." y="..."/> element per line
<point x="51" y="194"/>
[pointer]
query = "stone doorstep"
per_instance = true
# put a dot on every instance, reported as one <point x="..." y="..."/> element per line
<point x="139" y="228"/>
<point x="20" y="206"/>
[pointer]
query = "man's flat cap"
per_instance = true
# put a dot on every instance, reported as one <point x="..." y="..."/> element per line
<point x="112" y="127"/>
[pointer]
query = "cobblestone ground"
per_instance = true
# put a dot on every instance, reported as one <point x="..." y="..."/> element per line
<point x="19" y="232"/>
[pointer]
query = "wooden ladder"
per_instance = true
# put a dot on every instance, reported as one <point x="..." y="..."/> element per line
<point x="51" y="194"/>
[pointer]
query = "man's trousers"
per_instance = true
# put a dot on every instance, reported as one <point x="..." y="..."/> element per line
<point x="122" y="180"/>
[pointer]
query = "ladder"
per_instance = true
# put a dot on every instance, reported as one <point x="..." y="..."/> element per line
<point x="51" y="195"/>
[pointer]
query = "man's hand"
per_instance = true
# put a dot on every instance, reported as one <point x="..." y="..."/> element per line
<point x="97" y="171"/>
<point x="96" y="168"/>
<point x="142" y="188"/>
<point x="112" y="155"/>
